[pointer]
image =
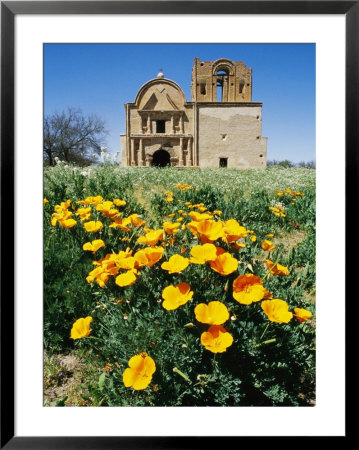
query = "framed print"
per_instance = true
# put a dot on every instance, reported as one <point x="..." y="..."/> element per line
<point x="197" y="308"/>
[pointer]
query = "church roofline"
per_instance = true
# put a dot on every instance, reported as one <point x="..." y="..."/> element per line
<point x="158" y="81"/>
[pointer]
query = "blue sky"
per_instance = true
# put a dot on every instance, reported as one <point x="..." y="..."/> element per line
<point x="100" y="78"/>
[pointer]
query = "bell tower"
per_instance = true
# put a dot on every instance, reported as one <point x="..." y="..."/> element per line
<point x="221" y="81"/>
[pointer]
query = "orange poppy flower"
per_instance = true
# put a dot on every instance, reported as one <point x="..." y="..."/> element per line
<point x="81" y="328"/>
<point x="302" y="315"/>
<point x="175" y="264"/>
<point x="233" y="231"/>
<point x="267" y="245"/>
<point x="127" y="279"/>
<point x="248" y="288"/>
<point x="203" y="253"/>
<point x="175" y="296"/>
<point x="216" y="339"/>
<point x="94" y="245"/>
<point x="171" y="228"/>
<point x="148" y="256"/>
<point x="207" y="230"/>
<point x="215" y="313"/>
<point x="224" y="263"/>
<point x="277" y="269"/>
<point x="151" y="237"/>
<point x="277" y="310"/>
<point x="139" y="373"/>
<point x="93" y="226"/>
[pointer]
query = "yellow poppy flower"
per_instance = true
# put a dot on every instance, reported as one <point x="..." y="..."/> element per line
<point x="45" y="201"/>
<point x="91" y="200"/>
<point x="93" y="226"/>
<point x="81" y="328"/>
<point x="151" y="237"/>
<point x="233" y="231"/>
<point x="302" y="315"/>
<point x="277" y="310"/>
<point x="175" y="296"/>
<point x="171" y="228"/>
<point x="148" y="256"/>
<point x="136" y="221"/>
<point x="207" y="230"/>
<point x="126" y="279"/>
<point x="139" y="373"/>
<point x="248" y="288"/>
<point x="216" y="339"/>
<point x="224" y="264"/>
<point x="277" y="269"/>
<point x="197" y="217"/>
<point x="175" y="264"/>
<point x="68" y="223"/>
<point x="203" y="253"/>
<point x="94" y="245"/>
<point x="215" y="313"/>
<point x="119" y="202"/>
<point x="267" y="245"/>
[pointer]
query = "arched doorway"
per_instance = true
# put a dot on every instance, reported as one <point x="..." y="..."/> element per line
<point x="161" y="158"/>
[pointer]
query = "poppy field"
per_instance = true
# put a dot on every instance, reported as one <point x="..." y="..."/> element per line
<point x="181" y="287"/>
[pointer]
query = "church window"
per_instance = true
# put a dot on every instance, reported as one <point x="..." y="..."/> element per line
<point x="160" y="126"/>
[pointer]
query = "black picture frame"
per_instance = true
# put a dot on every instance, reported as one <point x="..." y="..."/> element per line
<point x="9" y="9"/>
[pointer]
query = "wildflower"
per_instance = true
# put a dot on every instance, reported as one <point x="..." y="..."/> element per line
<point x="122" y="224"/>
<point x="216" y="339"/>
<point x="203" y="253"/>
<point x="217" y="212"/>
<point x="81" y="328"/>
<point x="175" y="296"/>
<point x="84" y="213"/>
<point x="233" y="231"/>
<point x="171" y="228"/>
<point x="277" y="310"/>
<point x="224" y="263"/>
<point x="270" y="235"/>
<point x="277" y="269"/>
<point x="198" y="217"/>
<point x="267" y="245"/>
<point x="207" y="230"/>
<point x="253" y="238"/>
<point x="94" y="245"/>
<point x="107" y="209"/>
<point x="151" y="237"/>
<point x="127" y="279"/>
<point x="148" y="256"/>
<point x="175" y="264"/>
<point x="45" y="201"/>
<point x="93" y="226"/>
<point x="136" y="221"/>
<point x="91" y="201"/>
<point x="215" y="313"/>
<point x="119" y="202"/>
<point x="302" y="315"/>
<point x="248" y="288"/>
<point x="140" y="371"/>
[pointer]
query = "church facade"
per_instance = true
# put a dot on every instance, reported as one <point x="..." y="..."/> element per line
<point x="219" y="127"/>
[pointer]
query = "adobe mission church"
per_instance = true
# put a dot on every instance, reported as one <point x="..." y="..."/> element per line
<point x="219" y="127"/>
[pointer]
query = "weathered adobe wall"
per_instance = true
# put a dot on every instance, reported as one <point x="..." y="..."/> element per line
<point x="232" y="132"/>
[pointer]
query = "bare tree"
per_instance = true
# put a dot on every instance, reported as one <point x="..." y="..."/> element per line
<point x="72" y="137"/>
